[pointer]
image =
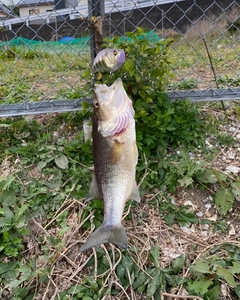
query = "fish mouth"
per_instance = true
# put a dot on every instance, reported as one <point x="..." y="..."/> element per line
<point x="117" y="107"/>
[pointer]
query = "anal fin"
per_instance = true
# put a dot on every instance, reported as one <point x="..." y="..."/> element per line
<point x="135" y="193"/>
<point x="93" y="191"/>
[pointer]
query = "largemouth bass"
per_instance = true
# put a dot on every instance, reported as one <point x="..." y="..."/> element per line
<point x="109" y="60"/>
<point x="115" y="157"/>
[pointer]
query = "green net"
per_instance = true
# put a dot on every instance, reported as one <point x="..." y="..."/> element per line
<point x="65" y="44"/>
<point x="151" y="36"/>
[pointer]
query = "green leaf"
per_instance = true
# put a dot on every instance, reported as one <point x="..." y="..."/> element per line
<point x="200" y="286"/>
<point x="41" y="165"/>
<point x="19" y="211"/>
<point x="237" y="291"/>
<point x="185" y="217"/>
<point x="8" y="198"/>
<point x="224" y="200"/>
<point x="153" y="284"/>
<point x="206" y="176"/>
<point x="139" y="30"/>
<point x="77" y="289"/>
<point x="186" y="181"/>
<point x="85" y="105"/>
<point x="178" y="264"/>
<point x="235" y="269"/>
<point x="4" y="184"/>
<point x="140" y="280"/>
<point x="2" y="222"/>
<point x="201" y="267"/>
<point x="15" y="283"/>
<point x="8" y="214"/>
<point x="61" y="161"/>
<point x="226" y="275"/>
<point x="214" y="292"/>
<point x="129" y="66"/>
<point x="5" y="267"/>
<point x="236" y="188"/>
<point x="155" y="255"/>
<point x="221" y="178"/>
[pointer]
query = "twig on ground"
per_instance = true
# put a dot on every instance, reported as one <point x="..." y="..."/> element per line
<point x="48" y="285"/>
<point x="180" y="296"/>
<point x="40" y="227"/>
<point x="81" y="267"/>
<point x="60" y="211"/>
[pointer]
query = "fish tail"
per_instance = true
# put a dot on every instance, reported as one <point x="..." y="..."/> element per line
<point x="106" y="234"/>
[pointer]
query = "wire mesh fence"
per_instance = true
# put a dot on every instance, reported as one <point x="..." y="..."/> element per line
<point x="46" y="46"/>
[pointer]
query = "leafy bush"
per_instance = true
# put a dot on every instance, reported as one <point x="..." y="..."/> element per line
<point x="145" y="75"/>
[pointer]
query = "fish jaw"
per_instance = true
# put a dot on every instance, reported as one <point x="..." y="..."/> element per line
<point x="116" y="111"/>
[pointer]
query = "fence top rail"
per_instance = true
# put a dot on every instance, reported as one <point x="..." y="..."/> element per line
<point x="53" y="106"/>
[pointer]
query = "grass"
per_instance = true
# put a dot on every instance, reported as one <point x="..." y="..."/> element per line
<point x="189" y="55"/>
<point x="40" y="78"/>
<point x="46" y="171"/>
<point x="40" y="75"/>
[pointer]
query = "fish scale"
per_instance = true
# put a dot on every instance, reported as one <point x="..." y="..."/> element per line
<point x="115" y="158"/>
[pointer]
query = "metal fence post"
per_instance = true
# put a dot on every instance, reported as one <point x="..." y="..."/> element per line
<point x="96" y="14"/>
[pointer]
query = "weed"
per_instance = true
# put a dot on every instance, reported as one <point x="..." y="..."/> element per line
<point x="206" y="272"/>
<point x="187" y="84"/>
<point x="77" y="93"/>
<point x="193" y="171"/>
<point x="226" y="80"/>
<point x="226" y="139"/>
<point x="14" y="213"/>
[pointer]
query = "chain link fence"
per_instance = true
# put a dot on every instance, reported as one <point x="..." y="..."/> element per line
<point x="46" y="46"/>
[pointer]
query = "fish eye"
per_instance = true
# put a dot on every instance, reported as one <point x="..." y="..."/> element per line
<point x="115" y="52"/>
<point x="96" y="104"/>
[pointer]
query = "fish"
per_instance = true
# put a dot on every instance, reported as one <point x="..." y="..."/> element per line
<point x="109" y="60"/>
<point x="115" y="157"/>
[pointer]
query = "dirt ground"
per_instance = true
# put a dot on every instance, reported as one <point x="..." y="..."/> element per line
<point x="69" y="266"/>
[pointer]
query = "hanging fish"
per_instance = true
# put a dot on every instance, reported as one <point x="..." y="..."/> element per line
<point x="115" y="157"/>
<point x="109" y="60"/>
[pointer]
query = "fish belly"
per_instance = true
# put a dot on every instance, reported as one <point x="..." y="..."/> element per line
<point x="114" y="164"/>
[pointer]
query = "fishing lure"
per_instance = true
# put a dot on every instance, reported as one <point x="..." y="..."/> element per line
<point x="109" y="60"/>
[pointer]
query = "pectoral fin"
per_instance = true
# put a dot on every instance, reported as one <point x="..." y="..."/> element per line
<point x="93" y="191"/>
<point x="116" y="152"/>
<point x="135" y="193"/>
